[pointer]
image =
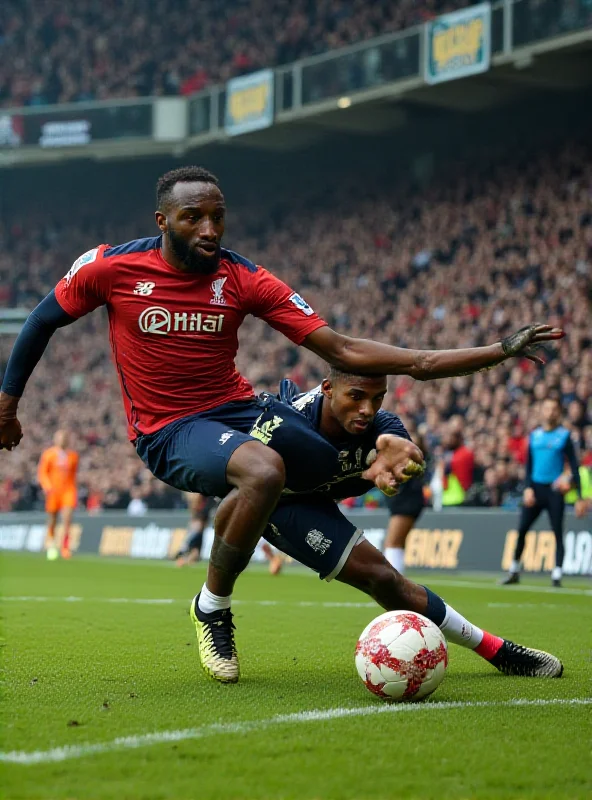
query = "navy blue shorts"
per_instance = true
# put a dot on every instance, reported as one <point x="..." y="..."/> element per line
<point x="192" y="453"/>
<point x="315" y="533"/>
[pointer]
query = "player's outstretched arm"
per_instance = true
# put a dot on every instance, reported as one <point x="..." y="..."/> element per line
<point x="363" y="356"/>
<point x="30" y="345"/>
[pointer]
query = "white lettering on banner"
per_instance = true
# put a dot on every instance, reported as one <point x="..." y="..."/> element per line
<point x="65" y="134"/>
<point x="578" y="553"/>
<point x="12" y="537"/>
<point x="31" y="537"/>
<point x="150" y="542"/>
<point x="158" y="320"/>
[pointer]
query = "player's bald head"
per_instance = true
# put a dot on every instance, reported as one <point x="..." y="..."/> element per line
<point x="174" y="187"/>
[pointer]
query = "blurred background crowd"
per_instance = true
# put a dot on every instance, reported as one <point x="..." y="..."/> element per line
<point x="490" y="241"/>
<point x="51" y="52"/>
<point x="460" y="264"/>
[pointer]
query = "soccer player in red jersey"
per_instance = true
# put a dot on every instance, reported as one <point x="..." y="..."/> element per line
<point x="175" y="303"/>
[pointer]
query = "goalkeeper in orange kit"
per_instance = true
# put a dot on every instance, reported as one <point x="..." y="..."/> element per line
<point x="57" y="477"/>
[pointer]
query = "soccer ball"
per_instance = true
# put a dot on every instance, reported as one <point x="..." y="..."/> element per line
<point x="401" y="656"/>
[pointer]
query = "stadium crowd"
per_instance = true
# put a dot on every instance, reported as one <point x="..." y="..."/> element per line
<point x="94" y="50"/>
<point x="459" y="264"/>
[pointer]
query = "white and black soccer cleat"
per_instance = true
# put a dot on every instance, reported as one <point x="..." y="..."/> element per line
<point x="515" y="659"/>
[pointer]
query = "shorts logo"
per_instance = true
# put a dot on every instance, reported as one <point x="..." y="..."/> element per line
<point x="301" y="303"/>
<point x="264" y="431"/>
<point x="216" y="287"/>
<point x="144" y="288"/>
<point x="225" y="437"/>
<point x="85" y="258"/>
<point x="160" y="321"/>
<point x="318" y="542"/>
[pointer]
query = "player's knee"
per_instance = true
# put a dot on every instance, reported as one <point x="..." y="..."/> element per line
<point x="267" y="474"/>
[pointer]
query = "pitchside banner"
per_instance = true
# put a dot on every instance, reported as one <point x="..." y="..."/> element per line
<point x="461" y="540"/>
<point x="458" y="45"/>
<point x="249" y="103"/>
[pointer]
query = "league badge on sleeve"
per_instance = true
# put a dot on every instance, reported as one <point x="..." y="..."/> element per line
<point x="301" y="303"/>
<point x="82" y="261"/>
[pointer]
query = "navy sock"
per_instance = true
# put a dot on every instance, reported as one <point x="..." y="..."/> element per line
<point x="436" y="609"/>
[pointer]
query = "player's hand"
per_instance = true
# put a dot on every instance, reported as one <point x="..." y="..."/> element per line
<point x="397" y="460"/>
<point x="581" y="508"/>
<point x="525" y="341"/>
<point x="528" y="498"/>
<point x="10" y="428"/>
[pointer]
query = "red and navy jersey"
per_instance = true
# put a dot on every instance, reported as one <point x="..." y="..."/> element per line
<point x="174" y="334"/>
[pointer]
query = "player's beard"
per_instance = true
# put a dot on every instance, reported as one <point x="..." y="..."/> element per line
<point x="193" y="261"/>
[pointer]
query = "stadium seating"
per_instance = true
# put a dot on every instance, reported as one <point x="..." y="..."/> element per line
<point x="51" y="53"/>
<point x="458" y="265"/>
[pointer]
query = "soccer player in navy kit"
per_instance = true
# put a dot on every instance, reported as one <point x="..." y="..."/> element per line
<point x="346" y="410"/>
<point x="175" y="304"/>
<point x="549" y="447"/>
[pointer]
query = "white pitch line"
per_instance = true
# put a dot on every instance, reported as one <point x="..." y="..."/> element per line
<point x="169" y="600"/>
<point x="69" y="752"/>
<point x="506" y="589"/>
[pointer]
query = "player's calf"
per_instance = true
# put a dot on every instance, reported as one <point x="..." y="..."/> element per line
<point x="257" y="474"/>
<point x="368" y="570"/>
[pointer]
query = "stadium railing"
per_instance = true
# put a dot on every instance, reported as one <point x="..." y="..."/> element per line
<point x="387" y="65"/>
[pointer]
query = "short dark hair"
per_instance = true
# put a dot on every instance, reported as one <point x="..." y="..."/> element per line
<point x="336" y="374"/>
<point x="554" y="397"/>
<point x="169" y="180"/>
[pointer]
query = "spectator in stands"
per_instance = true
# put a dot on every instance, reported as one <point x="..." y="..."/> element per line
<point x="457" y="464"/>
<point x="56" y="53"/>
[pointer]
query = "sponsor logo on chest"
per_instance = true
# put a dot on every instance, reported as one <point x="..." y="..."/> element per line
<point x="160" y="321"/>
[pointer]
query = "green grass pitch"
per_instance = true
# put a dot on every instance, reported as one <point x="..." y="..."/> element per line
<point x="101" y="682"/>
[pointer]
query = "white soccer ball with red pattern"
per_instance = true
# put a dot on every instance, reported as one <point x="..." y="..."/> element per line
<point x="401" y="656"/>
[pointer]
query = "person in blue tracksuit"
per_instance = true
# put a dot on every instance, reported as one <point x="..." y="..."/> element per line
<point x="549" y="447"/>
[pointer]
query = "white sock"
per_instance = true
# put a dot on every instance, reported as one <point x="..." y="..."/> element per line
<point x="396" y="558"/>
<point x="459" y="630"/>
<point x="209" y="602"/>
<point x="515" y="567"/>
<point x="556" y="574"/>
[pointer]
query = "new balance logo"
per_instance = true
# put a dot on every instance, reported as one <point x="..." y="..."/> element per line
<point x="144" y="288"/>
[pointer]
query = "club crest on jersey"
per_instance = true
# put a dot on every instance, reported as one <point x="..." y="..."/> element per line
<point x="318" y="542"/>
<point x="82" y="261"/>
<point x="217" y="287"/>
<point x="144" y="288"/>
<point x="160" y="321"/>
<point x="301" y="303"/>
